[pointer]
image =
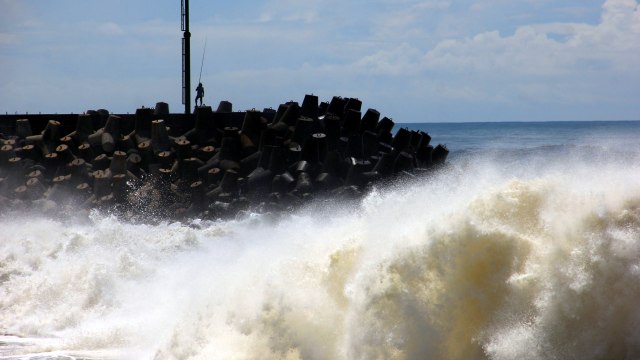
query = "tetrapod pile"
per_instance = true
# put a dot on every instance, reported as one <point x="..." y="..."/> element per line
<point x="270" y="160"/>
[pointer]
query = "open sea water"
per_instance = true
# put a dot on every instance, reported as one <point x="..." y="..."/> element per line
<point x="525" y="246"/>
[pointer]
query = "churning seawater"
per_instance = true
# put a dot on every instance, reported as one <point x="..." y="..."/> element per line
<point x="525" y="251"/>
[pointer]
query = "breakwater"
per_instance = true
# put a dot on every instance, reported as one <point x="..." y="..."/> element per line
<point x="211" y="164"/>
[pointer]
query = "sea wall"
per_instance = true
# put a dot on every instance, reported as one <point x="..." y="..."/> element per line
<point x="211" y="164"/>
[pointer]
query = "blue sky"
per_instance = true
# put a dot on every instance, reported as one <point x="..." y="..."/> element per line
<point x="415" y="61"/>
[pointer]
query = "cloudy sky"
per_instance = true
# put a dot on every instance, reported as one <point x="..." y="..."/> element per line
<point x="415" y="61"/>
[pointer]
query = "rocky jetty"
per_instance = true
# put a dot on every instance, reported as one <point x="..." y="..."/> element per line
<point x="211" y="164"/>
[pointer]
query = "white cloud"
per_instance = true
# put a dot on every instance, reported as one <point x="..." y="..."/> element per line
<point x="111" y="29"/>
<point x="430" y="5"/>
<point x="407" y="21"/>
<point x="399" y="61"/>
<point x="242" y="34"/>
<point x="437" y="53"/>
<point x="528" y="51"/>
<point x="291" y="10"/>
<point x="606" y="48"/>
<point x="567" y="64"/>
<point x="12" y="9"/>
<point x="8" y="39"/>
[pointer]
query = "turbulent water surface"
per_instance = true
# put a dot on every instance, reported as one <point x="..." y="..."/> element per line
<point x="524" y="247"/>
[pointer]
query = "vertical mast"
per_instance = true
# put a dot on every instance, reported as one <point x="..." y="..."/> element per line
<point x="186" y="58"/>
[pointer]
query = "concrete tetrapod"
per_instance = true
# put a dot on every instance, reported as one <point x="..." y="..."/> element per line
<point x="210" y="164"/>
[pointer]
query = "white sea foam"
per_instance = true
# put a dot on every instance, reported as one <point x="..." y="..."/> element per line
<point x="539" y="260"/>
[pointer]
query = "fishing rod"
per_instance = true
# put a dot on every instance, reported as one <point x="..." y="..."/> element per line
<point x="202" y="62"/>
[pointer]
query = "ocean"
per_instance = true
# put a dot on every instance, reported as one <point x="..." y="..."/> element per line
<point x="526" y="245"/>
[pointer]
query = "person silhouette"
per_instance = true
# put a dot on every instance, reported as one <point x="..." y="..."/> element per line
<point x="199" y="93"/>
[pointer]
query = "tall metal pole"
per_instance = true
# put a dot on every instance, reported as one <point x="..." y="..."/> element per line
<point x="186" y="59"/>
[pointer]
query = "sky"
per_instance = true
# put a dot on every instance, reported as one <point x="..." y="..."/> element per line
<point x="414" y="61"/>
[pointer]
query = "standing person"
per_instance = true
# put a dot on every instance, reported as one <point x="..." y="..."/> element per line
<point x="199" y="93"/>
